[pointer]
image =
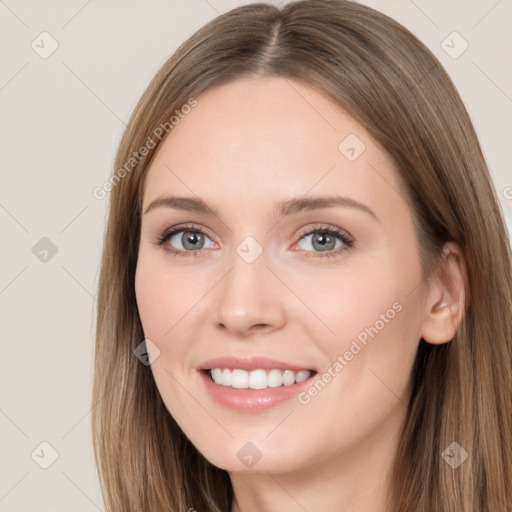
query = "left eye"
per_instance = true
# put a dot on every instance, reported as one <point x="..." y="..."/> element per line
<point x="321" y="241"/>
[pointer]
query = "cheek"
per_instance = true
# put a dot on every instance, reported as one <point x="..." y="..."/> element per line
<point x="369" y="358"/>
<point x="152" y="300"/>
<point x="352" y="296"/>
<point x="165" y="297"/>
<point x="374" y="321"/>
<point x="165" y="301"/>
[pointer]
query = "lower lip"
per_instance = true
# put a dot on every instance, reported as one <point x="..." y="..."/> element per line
<point x="252" y="400"/>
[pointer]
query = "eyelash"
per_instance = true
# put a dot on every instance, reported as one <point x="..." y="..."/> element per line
<point x="348" y="242"/>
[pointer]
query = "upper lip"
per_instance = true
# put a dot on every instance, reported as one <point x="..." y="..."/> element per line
<point x="250" y="363"/>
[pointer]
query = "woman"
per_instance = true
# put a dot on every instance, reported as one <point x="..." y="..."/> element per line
<point x="340" y="336"/>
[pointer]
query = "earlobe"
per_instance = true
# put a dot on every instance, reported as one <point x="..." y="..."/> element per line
<point x="445" y="305"/>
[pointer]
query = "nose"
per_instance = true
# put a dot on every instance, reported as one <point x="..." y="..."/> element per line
<point x="249" y="299"/>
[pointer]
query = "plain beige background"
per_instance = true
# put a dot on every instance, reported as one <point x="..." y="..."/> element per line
<point x="61" y="119"/>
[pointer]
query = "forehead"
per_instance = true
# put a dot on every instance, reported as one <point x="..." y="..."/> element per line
<point x="269" y="138"/>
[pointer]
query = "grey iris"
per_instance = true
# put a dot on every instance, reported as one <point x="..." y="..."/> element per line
<point x="191" y="240"/>
<point x="326" y="241"/>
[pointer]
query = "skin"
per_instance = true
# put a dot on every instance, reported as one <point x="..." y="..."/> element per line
<point x="246" y="146"/>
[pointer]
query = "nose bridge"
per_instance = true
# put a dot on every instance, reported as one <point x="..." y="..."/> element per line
<point x="248" y="297"/>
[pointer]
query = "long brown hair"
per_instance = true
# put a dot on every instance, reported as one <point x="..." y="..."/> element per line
<point x="388" y="81"/>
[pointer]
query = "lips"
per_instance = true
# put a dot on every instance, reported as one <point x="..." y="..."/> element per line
<point x="253" y="384"/>
<point x="253" y="363"/>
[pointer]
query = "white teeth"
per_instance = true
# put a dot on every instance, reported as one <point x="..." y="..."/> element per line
<point x="275" y="378"/>
<point x="239" y="379"/>
<point x="288" y="378"/>
<point x="217" y="375"/>
<point x="302" y="376"/>
<point x="257" y="379"/>
<point x="226" y="377"/>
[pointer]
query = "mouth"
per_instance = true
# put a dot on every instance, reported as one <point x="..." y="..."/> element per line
<point x="238" y="378"/>
<point x="253" y="384"/>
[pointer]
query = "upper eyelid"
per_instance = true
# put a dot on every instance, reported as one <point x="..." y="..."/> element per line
<point x="326" y="227"/>
<point x="177" y="229"/>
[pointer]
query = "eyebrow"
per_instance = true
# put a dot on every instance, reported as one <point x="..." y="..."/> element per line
<point x="284" y="208"/>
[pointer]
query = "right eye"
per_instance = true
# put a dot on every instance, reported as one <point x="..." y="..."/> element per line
<point x="185" y="241"/>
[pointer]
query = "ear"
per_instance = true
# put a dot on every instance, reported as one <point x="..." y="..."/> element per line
<point x="446" y="297"/>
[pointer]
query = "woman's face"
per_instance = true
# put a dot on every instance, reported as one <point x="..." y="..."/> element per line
<point x="310" y="263"/>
